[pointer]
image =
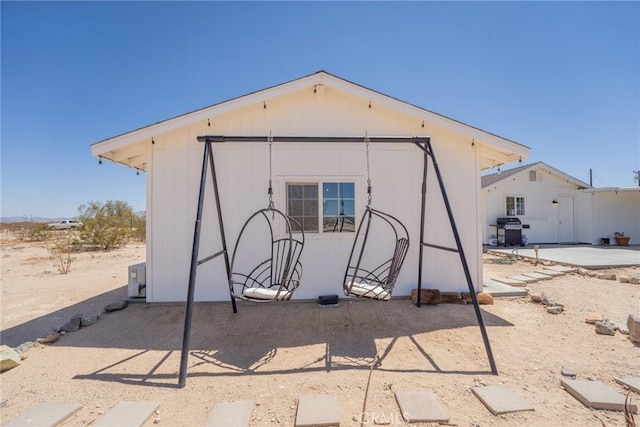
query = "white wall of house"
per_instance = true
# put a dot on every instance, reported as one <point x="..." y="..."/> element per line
<point x="615" y="210"/>
<point x="549" y="222"/>
<point x="174" y="163"/>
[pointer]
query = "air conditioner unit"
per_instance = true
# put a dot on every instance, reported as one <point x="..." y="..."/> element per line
<point x="138" y="280"/>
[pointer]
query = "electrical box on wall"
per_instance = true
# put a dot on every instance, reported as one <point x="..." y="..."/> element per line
<point x="138" y="280"/>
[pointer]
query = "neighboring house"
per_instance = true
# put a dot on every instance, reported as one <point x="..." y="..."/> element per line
<point x="556" y="207"/>
<point x="319" y="105"/>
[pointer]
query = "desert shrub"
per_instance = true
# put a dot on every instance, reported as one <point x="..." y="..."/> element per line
<point x="61" y="251"/>
<point x="107" y="225"/>
<point x="33" y="232"/>
<point x="139" y="228"/>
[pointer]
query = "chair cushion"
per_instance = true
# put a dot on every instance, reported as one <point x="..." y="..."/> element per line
<point x="266" y="294"/>
<point x="370" y="291"/>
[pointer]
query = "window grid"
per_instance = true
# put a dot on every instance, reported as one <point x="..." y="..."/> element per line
<point x="515" y="206"/>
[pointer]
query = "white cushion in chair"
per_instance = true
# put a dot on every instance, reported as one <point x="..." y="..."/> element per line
<point x="266" y="293"/>
<point x="370" y="291"/>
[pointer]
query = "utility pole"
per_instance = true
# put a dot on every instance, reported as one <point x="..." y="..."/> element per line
<point x="591" y="177"/>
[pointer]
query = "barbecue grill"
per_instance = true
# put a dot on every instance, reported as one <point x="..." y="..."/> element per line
<point x="509" y="231"/>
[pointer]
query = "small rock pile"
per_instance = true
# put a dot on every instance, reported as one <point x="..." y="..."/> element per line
<point x="11" y="357"/>
<point x="609" y="327"/>
<point x="552" y="306"/>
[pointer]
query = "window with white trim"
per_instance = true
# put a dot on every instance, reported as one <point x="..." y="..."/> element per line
<point x="515" y="205"/>
<point x="322" y="207"/>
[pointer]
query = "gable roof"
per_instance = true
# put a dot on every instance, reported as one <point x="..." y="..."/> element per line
<point x="497" y="177"/>
<point x="129" y="148"/>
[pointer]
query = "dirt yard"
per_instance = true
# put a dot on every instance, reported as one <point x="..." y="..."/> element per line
<point x="275" y="353"/>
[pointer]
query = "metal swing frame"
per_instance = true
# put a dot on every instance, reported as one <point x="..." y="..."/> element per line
<point x="423" y="143"/>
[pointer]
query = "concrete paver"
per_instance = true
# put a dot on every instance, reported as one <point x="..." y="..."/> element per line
<point x="46" y="415"/>
<point x="317" y="410"/>
<point x="595" y="394"/>
<point x="633" y="383"/>
<point x="561" y="269"/>
<point x="551" y="273"/>
<point x="510" y="282"/>
<point x="523" y="278"/>
<point x="128" y="414"/>
<point x="497" y="289"/>
<point x="420" y="406"/>
<point x="500" y="399"/>
<point x="538" y="276"/>
<point x="231" y="414"/>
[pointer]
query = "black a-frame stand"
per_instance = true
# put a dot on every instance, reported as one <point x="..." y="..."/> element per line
<point x="424" y="143"/>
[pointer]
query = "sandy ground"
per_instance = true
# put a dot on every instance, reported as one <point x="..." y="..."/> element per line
<point x="275" y="353"/>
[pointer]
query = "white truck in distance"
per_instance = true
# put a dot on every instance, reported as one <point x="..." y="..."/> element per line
<point x="65" y="224"/>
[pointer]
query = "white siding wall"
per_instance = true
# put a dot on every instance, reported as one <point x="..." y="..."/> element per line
<point x="396" y="173"/>
<point x="540" y="213"/>
<point x="615" y="211"/>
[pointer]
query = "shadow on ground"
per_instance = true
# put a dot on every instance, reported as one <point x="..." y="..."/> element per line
<point x="256" y="340"/>
<point x="38" y="327"/>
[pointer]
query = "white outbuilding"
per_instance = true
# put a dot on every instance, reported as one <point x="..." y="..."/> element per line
<point x="318" y="140"/>
<point x="555" y="207"/>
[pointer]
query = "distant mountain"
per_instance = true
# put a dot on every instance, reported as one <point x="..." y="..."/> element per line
<point x="141" y="214"/>
<point x="30" y="219"/>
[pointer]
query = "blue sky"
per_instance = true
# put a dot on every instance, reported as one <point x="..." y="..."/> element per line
<point x="560" y="77"/>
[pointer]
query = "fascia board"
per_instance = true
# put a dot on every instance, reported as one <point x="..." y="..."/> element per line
<point x="169" y="125"/>
<point x="509" y="148"/>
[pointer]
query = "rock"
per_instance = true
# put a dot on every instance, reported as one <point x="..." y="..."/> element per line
<point x="88" y="320"/>
<point x="115" y="306"/>
<point x="550" y="302"/>
<point x="568" y="372"/>
<point x="9" y="359"/>
<point x="624" y="279"/>
<point x="633" y="324"/>
<point x="635" y="279"/>
<point x="607" y="276"/>
<point x="25" y="346"/>
<point x="484" y="298"/>
<point x="622" y="328"/>
<point x="427" y="296"/>
<point x="536" y="297"/>
<point x="50" y="337"/>
<point x="452" y="298"/>
<point x="582" y="271"/>
<point x="592" y="319"/>
<point x="592" y="273"/>
<point x="556" y="309"/>
<point x="605" y="328"/>
<point x="71" y="326"/>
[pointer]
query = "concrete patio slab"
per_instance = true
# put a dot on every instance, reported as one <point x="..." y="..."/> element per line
<point x="586" y="256"/>
<point x="501" y="399"/>
<point x="317" y="410"/>
<point x="509" y="282"/>
<point x="633" y="383"/>
<point x="523" y="278"/>
<point x="595" y="394"/>
<point x="497" y="289"/>
<point x="46" y="415"/>
<point x="231" y="414"/>
<point x="538" y="276"/>
<point x="128" y="414"/>
<point x="420" y="406"/>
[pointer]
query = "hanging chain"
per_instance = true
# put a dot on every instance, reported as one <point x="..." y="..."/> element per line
<point x="366" y="144"/>
<point x="270" y="191"/>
